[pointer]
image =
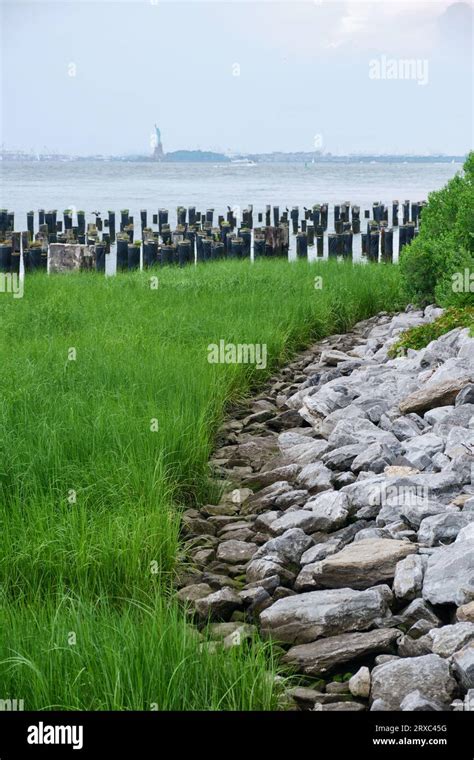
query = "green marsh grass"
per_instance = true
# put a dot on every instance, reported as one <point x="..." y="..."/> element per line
<point x="90" y="495"/>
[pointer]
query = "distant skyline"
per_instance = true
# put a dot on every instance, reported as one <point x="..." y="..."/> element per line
<point x="84" y="77"/>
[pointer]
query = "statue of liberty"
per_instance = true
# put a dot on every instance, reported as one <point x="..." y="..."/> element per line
<point x="158" y="147"/>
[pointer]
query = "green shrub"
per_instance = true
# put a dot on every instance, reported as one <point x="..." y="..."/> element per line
<point x="419" y="337"/>
<point x="437" y="259"/>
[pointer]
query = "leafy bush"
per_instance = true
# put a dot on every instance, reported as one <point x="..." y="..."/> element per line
<point x="434" y="265"/>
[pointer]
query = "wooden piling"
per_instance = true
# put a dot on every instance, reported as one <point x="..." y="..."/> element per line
<point x="162" y="219"/>
<point x="320" y="245"/>
<point x="301" y="245"/>
<point x="387" y="248"/>
<point x="316" y="215"/>
<point x="324" y="216"/>
<point x="373" y="243"/>
<point x="100" y="257"/>
<point x="207" y="248"/>
<point x="347" y="245"/>
<point x="184" y="252"/>
<point x="332" y="245"/>
<point x="5" y="257"/>
<point x="395" y="205"/>
<point x="406" y="212"/>
<point x="167" y="254"/>
<point x="246" y="236"/>
<point x="258" y="247"/>
<point x="294" y="219"/>
<point x="150" y="253"/>
<point x="81" y="222"/>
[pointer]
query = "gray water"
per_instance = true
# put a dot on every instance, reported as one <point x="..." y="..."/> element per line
<point x="100" y="186"/>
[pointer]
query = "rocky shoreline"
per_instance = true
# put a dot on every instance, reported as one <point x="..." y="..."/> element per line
<point x="346" y="528"/>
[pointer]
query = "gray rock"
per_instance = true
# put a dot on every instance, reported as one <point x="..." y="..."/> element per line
<point x="265" y="478"/>
<point x="459" y="416"/>
<point x="466" y="396"/>
<point x="442" y="528"/>
<point x="460" y="441"/>
<point x="393" y="681"/>
<point x="463" y="666"/>
<point x="415" y="701"/>
<point x="450" y="638"/>
<point x="219" y="605"/>
<point x="299" y="518"/>
<point x="438" y="414"/>
<point x="320" y="551"/>
<point x="235" y="552"/>
<point x="407" y="427"/>
<point x="408" y="580"/>
<point x="330" y="510"/>
<point x="306" y="617"/>
<point x="465" y="613"/>
<point x="327" y="425"/>
<point x="349" y="432"/>
<point x="342" y="458"/>
<point x="434" y="394"/>
<point x="331" y="397"/>
<point x="362" y="563"/>
<point x="300" y="449"/>
<point x="255" y="599"/>
<point x="320" y="657"/>
<point x="417" y="610"/>
<point x="367" y="493"/>
<point x="315" y="477"/>
<point x="449" y="576"/>
<point x="265" y="499"/>
<point x="342" y="707"/>
<point x="420" y="450"/>
<point x="378" y="705"/>
<point x="194" y="591"/>
<point x="288" y="547"/>
<point x="274" y="557"/>
<point x="359" y="684"/>
<point x="414" y="647"/>
<point x="375" y="457"/>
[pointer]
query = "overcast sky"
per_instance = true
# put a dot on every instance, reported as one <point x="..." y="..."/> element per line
<point x="86" y="77"/>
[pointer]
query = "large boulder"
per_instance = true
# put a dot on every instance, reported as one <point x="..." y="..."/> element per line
<point x="449" y="638"/>
<point x="442" y="528"/>
<point x="359" y="431"/>
<point x="306" y="617"/>
<point x="329" y="509"/>
<point x="362" y="563"/>
<point x="449" y="576"/>
<point x="235" y="552"/>
<point x="279" y="556"/>
<point x="322" y="656"/>
<point x="393" y="681"/>
<point x="434" y="394"/>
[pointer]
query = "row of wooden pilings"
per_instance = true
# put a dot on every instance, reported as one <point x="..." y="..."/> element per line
<point x="197" y="238"/>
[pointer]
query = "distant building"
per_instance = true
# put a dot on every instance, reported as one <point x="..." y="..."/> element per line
<point x="158" y="153"/>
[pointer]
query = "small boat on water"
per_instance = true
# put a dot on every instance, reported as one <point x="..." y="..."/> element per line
<point x="243" y="162"/>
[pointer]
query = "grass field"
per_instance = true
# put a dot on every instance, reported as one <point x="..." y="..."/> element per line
<point x="107" y="415"/>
